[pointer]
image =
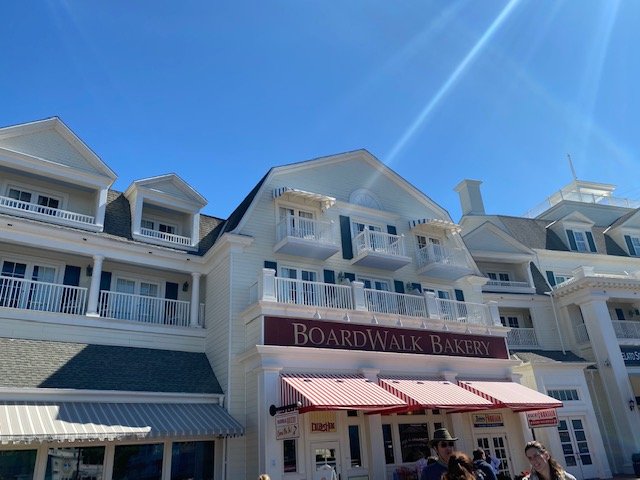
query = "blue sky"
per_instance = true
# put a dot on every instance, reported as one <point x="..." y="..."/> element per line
<point x="219" y="91"/>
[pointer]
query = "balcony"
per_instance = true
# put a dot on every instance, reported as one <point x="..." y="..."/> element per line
<point x="522" y="337"/>
<point x="305" y="237"/>
<point x="143" y="309"/>
<point x="42" y="296"/>
<point x="442" y="262"/>
<point x="507" y="286"/>
<point x="166" y="237"/>
<point x="626" y="329"/>
<point x="379" y="250"/>
<point x="40" y="212"/>
<point x="398" y="309"/>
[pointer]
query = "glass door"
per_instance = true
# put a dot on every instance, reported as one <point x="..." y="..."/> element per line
<point x="575" y="447"/>
<point x="326" y="461"/>
<point x="497" y="446"/>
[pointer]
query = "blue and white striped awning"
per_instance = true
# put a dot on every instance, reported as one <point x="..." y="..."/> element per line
<point x="294" y="194"/>
<point x="434" y="223"/>
<point x="37" y="422"/>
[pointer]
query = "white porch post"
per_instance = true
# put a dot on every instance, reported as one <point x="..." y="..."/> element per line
<point x="432" y="304"/>
<point x="378" y="467"/>
<point x="357" y="289"/>
<point x="270" y="450"/>
<point x="101" y="206"/>
<point x="94" y="289"/>
<point x="268" y="285"/>
<point x="195" y="299"/>
<point x="494" y="313"/>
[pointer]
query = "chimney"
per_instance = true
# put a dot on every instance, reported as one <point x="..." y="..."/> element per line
<point x="470" y="197"/>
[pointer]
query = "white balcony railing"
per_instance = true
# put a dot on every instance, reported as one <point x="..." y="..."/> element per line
<point x="313" y="294"/>
<point x="167" y="237"/>
<point x="522" y="337"/>
<point x="626" y="329"/>
<point x="20" y="206"/>
<point x="581" y="334"/>
<point x="462" y="312"/>
<point x="46" y="297"/>
<point x="395" y="303"/>
<point x="441" y="254"/>
<point x="140" y="308"/>
<point x="507" y="284"/>
<point x="306" y="229"/>
<point x="379" y="242"/>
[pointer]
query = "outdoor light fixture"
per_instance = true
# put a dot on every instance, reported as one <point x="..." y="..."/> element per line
<point x="632" y="404"/>
<point x="89" y="270"/>
<point x="185" y="287"/>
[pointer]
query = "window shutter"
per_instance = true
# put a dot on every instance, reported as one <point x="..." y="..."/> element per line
<point x="632" y="250"/>
<point x="171" y="291"/>
<point x="551" y="278"/>
<point x="459" y="295"/>
<point x="271" y="265"/>
<point x="398" y="286"/>
<point x="329" y="276"/>
<point x="71" y="275"/>
<point x="350" y="276"/>
<point x="391" y="229"/>
<point x="345" y="236"/>
<point x="105" y="281"/>
<point x="417" y="286"/>
<point x="619" y="314"/>
<point x="592" y="245"/>
<point x="572" y="240"/>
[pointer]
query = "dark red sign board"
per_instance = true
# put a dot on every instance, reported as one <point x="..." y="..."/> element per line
<point x="376" y="338"/>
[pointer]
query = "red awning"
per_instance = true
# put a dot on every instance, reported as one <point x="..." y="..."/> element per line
<point x="511" y="395"/>
<point x="434" y="393"/>
<point x="335" y="392"/>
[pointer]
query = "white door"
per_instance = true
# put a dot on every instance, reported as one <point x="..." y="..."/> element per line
<point x="498" y="447"/>
<point x="326" y="461"/>
<point x="575" y="447"/>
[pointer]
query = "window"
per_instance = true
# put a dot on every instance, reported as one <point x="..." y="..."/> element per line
<point x="158" y="226"/>
<point x="297" y="223"/>
<point x="75" y="462"/>
<point x="562" y="277"/>
<point x="564" y="394"/>
<point x="635" y="242"/>
<point x="47" y="203"/>
<point x="17" y="464"/>
<point x="354" y="446"/>
<point x="509" y="321"/>
<point x="581" y="241"/>
<point x="192" y="460"/>
<point x="142" y="462"/>
<point x="290" y="459"/>
<point x="414" y="441"/>
<point x="19" y="195"/>
<point x="306" y="292"/>
<point x="387" y="440"/>
<point x="499" y="276"/>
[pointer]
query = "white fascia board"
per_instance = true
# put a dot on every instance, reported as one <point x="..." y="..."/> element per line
<point x="501" y="257"/>
<point x="148" y="183"/>
<point x="169" y="201"/>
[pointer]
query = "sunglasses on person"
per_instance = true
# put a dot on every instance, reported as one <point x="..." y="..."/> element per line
<point x="446" y="444"/>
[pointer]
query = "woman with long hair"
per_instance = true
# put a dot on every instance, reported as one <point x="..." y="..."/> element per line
<point x="460" y="468"/>
<point x="543" y="465"/>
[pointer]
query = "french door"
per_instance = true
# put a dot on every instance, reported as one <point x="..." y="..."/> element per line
<point x="326" y="461"/>
<point x="575" y="447"/>
<point x="498" y="447"/>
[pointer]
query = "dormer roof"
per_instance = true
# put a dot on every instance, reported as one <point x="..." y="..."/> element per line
<point x="168" y="189"/>
<point x="489" y="242"/>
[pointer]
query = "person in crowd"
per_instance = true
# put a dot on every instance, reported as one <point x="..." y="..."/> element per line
<point x="461" y="467"/>
<point x="264" y="476"/>
<point x="480" y="463"/>
<point x="493" y="461"/>
<point x="443" y="443"/>
<point x="543" y="465"/>
<point x="421" y="462"/>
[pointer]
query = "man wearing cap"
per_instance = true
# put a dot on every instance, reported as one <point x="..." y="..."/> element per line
<point x="443" y="443"/>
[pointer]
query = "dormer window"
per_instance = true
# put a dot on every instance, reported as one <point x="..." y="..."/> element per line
<point x="581" y="241"/>
<point x="27" y="198"/>
<point x="633" y="244"/>
<point x="158" y="226"/>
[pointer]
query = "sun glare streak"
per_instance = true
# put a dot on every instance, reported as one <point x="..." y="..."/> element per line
<point x="420" y="119"/>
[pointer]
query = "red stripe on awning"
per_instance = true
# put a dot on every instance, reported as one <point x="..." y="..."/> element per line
<point x="335" y="392"/>
<point x="511" y="395"/>
<point x="434" y="393"/>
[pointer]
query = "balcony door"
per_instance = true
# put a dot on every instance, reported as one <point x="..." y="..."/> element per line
<point x="299" y="223"/>
<point x="301" y="286"/>
<point x="35" y="295"/>
<point x="139" y="302"/>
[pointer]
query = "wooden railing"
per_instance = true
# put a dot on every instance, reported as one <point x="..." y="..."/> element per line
<point x="46" y="297"/>
<point x="21" y="206"/>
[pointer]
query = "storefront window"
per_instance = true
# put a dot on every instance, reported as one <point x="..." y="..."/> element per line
<point x="414" y="441"/>
<point x="289" y="456"/>
<point x="75" y="462"/>
<point x="388" y="443"/>
<point x="354" y="446"/>
<point x="142" y="462"/>
<point x="17" y="464"/>
<point x="192" y="460"/>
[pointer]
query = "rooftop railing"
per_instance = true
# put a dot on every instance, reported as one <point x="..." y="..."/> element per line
<point x="580" y="197"/>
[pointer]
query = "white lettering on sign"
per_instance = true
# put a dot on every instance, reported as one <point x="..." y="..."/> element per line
<point x="287" y="425"/>
<point x="542" y="418"/>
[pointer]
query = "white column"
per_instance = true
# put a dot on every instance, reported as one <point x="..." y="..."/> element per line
<point x="195" y="228"/>
<point x="432" y="304"/>
<point x="269" y="449"/>
<point x="268" y="285"/>
<point x="377" y="465"/>
<point x="613" y="373"/>
<point x="101" y="206"/>
<point x="195" y="299"/>
<point x="94" y="289"/>
<point x="359" y="303"/>
<point x="494" y="313"/>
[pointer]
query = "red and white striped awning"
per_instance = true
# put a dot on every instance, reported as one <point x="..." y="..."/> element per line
<point x="294" y="194"/>
<point x="434" y="394"/>
<point x="511" y="395"/>
<point x="336" y="392"/>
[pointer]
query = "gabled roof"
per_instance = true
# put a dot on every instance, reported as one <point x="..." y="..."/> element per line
<point x="576" y="217"/>
<point x="50" y="141"/>
<point x="625" y="218"/>
<point x="168" y="184"/>
<point x="80" y="366"/>
<point x="500" y="239"/>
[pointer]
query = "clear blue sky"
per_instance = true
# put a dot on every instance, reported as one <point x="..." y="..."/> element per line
<point x="219" y="91"/>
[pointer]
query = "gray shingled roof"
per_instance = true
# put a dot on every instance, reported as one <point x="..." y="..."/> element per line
<point x="546" y="356"/>
<point x="46" y="364"/>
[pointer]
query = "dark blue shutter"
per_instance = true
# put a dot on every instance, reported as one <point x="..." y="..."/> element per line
<point x="391" y="229"/>
<point x="632" y="250"/>
<point x="71" y="275"/>
<point x="350" y="276"/>
<point x="105" y="281"/>
<point x="271" y="265"/>
<point x="398" y="286"/>
<point x="551" y="278"/>
<point x="459" y="295"/>
<point x="572" y="240"/>
<point x="329" y="276"/>
<point x="171" y="291"/>
<point x="592" y="245"/>
<point x="417" y="286"/>
<point x="345" y="236"/>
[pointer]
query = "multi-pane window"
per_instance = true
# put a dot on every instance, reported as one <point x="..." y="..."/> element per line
<point x="75" y="462"/>
<point x="581" y="240"/>
<point x="562" y="277"/>
<point x="509" y="321"/>
<point x="48" y="202"/>
<point x="354" y="446"/>
<point x="414" y="441"/>
<point x="564" y="394"/>
<point x="298" y="223"/>
<point x="158" y="226"/>
<point x="635" y="241"/>
<point x="20" y="195"/>
<point x="306" y="292"/>
<point x="501" y="276"/>
<point x="290" y="459"/>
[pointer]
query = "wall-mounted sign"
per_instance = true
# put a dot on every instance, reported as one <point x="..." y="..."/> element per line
<point x="631" y="356"/>
<point x="287" y="425"/>
<point x="322" y="422"/>
<point x="542" y="418"/>
<point x="487" y="420"/>
<point x="376" y="338"/>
